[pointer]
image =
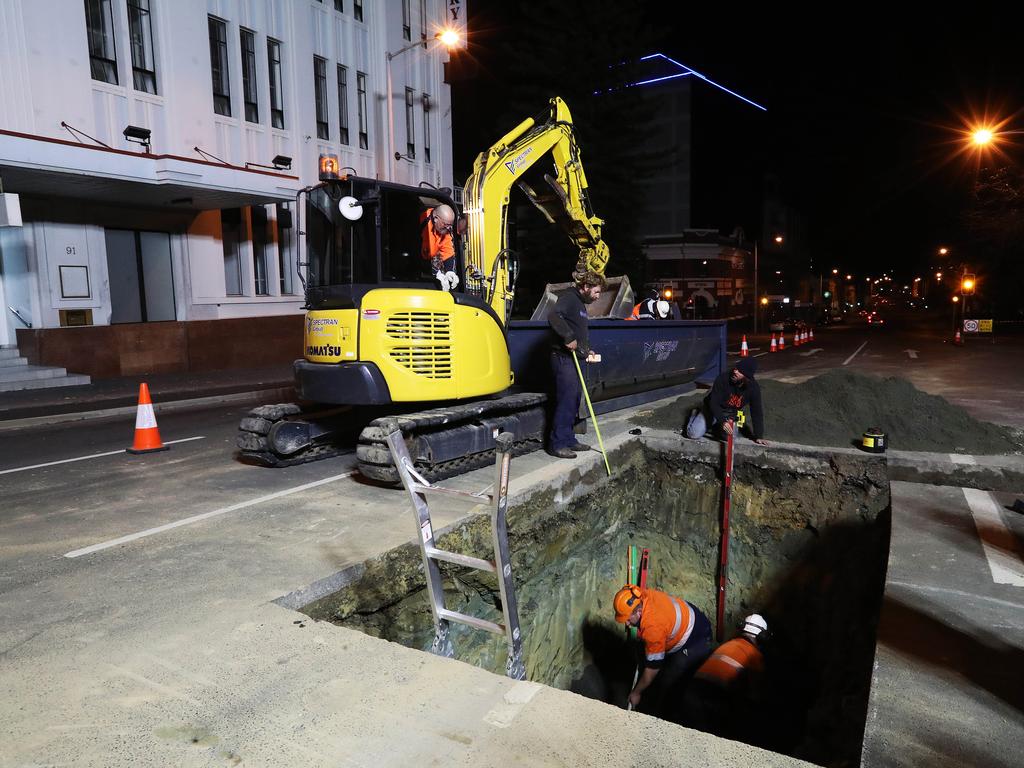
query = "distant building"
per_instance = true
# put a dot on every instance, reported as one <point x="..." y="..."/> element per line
<point x="157" y="148"/>
<point x="707" y="273"/>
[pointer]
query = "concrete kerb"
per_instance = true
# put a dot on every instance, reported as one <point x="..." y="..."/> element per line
<point x="282" y="394"/>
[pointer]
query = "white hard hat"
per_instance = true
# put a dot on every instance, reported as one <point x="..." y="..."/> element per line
<point x="755" y="624"/>
<point x="663" y="309"/>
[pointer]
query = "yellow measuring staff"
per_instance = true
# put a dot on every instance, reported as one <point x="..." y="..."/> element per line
<point x="590" y="408"/>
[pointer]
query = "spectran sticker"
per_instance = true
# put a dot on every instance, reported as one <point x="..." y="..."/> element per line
<point x="371" y="314"/>
<point x="517" y="162"/>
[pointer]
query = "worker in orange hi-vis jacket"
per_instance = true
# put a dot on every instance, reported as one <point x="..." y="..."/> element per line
<point x="436" y="226"/>
<point x="726" y="683"/>
<point x="676" y="638"/>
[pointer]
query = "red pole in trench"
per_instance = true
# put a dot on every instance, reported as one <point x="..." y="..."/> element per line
<point x="723" y="560"/>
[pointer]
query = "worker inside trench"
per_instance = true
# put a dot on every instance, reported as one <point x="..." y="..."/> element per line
<point x="808" y="548"/>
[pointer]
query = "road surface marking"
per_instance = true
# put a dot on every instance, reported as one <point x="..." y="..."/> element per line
<point x="204" y="516"/>
<point x="956" y="592"/>
<point x="912" y="353"/>
<point x="92" y="456"/>
<point x="813" y="351"/>
<point x="996" y="540"/>
<point x="760" y="354"/>
<point x="847" y="360"/>
<point x="961" y="458"/>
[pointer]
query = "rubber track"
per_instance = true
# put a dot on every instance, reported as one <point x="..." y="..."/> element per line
<point x="437" y="420"/>
<point x="252" y="438"/>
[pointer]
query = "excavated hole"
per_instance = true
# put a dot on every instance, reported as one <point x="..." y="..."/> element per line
<point x="809" y="545"/>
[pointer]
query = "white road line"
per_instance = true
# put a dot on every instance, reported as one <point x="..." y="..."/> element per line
<point x="962" y="458"/>
<point x="996" y="539"/>
<point x="847" y="360"/>
<point x="204" y="516"/>
<point x="92" y="456"/>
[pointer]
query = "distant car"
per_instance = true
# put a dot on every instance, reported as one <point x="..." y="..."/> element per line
<point x="875" y="320"/>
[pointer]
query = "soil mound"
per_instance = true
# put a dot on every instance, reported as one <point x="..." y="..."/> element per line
<point x="835" y="408"/>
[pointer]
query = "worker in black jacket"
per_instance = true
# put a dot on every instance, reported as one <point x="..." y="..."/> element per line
<point x="568" y="321"/>
<point x="733" y="389"/>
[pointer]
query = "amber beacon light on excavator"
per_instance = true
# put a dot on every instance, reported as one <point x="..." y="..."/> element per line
<point x="444" y="364"/>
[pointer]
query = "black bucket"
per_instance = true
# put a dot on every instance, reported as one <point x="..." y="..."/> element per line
<point x="874" y="440"/>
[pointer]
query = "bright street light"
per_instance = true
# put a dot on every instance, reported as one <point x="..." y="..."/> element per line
<point x="943" y="251"/>
<point x="779" y="239"/>
<point x="449" y="38"/>
<point x="981" y="137"/>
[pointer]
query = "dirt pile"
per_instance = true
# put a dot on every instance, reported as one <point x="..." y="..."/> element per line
<point x="835" y="408"/>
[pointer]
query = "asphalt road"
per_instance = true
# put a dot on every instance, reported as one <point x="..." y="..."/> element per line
<point x="94" y="538"/>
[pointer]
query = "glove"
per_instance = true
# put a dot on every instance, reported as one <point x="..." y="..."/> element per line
<point x="442" y="278"/>
<point x="453" y="280"/>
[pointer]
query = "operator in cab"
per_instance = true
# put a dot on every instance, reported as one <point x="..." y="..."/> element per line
<point x="436" y="225"/>
<point x="570" y="336"/>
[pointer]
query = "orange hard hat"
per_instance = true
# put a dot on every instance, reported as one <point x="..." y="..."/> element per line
<point x="625" y="602"/>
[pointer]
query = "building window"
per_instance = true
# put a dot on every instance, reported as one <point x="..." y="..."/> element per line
<point x="342" y="104"/>
<point x="357" y="10"/>
<point x="140" y="28"/>
<point x="364" y="137"/>
<point x="323" y="130"/>
<point x="410" y="125"/>
<point x="260" y="248"/>
<point x="407" y="19"/>
<point x="423" y="19"/>
<point x="426" y="127"/>
<point x="99" y="21"/>
<point x="231" y="237"/>
<point x="219" y="67"/>
<point x="339" y="6"/>
<point x="252" y="109"/>
<point x="285" y="256"/>
<point x="276" y="94"/>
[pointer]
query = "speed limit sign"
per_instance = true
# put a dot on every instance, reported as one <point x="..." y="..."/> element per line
<point x="970" y="326"/>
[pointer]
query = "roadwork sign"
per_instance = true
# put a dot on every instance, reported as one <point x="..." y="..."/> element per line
<point x="977" y="326"/>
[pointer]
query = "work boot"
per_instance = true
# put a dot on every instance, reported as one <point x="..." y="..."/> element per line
<point x="578" y="446"/>
<point x="561" y="453"/>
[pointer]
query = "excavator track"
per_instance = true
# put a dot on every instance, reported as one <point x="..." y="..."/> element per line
<point x="254" y="443"/>
<point x="450" y="440"/>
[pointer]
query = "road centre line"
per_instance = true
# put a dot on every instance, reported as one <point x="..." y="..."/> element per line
<point x="997" y="541"/>
<point x="847" y="360"/>
<point x="91" y="456"/>
<point x="204" y="516"/>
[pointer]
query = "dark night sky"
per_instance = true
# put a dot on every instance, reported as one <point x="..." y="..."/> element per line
<point x="862" y="120"/>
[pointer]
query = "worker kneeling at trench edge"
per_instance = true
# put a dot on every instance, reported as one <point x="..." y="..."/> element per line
<point x="676" y="637"/>
<point x="570" y="336"/>
<point x="721" y="411"/>
<point x="727" y="689"/>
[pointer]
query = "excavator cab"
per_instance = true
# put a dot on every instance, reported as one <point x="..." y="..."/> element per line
<point x="379" y="327"/>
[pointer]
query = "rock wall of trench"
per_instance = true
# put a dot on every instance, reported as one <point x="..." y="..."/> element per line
<point x="808" y="550"/>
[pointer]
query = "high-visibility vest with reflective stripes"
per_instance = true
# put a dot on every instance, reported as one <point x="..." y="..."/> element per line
<point x="665" y="624"/>
<point x="731" y="659"/>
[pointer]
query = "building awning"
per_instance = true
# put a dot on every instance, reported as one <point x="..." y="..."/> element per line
<point x="40" y="166"/>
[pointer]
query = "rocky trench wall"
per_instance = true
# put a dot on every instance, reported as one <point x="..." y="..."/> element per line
<point x="809" y="543"/>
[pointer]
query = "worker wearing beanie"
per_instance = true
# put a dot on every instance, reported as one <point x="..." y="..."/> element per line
<point x="676" y="638"/>
<point x="732" y="391"/>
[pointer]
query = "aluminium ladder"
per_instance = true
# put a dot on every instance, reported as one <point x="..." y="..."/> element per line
<point x="418" y="489"/>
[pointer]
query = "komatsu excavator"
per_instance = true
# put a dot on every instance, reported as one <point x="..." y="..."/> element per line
<point x="380" y="331"/>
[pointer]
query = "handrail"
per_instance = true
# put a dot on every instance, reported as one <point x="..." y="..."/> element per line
<point x="17" y="314"/>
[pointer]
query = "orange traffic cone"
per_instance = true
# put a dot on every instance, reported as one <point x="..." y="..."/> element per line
<point x="782" y="341"/>
<point x="798" y="339"/>
<point x="147" y="436"/>
<point x="774" y="347"/>
<point x="957" y="340"/>
<point x="744" y="352"/>
<point x="812" y="334"/>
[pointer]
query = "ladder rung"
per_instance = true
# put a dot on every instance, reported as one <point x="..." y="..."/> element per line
<point x="473" y="621"/>
<point x="465" y="560"/>
<point x="476" y="498"/>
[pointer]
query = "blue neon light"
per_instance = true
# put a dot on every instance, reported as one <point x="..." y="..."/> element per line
<point x="695" y="73"/>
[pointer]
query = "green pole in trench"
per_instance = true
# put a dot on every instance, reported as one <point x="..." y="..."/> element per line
<point x="590" y="407"/>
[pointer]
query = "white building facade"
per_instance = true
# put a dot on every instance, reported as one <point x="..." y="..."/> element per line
<point x="157" y="147"/>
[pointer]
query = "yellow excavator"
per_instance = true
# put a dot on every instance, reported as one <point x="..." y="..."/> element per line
<point x="381" y="331"/>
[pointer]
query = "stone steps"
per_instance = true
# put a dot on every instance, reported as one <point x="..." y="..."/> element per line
<point x="16" y="374"/>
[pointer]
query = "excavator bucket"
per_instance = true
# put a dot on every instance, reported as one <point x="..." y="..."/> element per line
<point x="616" y="300"/>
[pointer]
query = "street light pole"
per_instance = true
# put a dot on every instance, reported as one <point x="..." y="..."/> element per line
<point x="449" y="38"/>
<point x="757" y="303"/>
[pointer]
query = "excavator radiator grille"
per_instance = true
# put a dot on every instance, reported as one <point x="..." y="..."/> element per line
<point x="432" y="362"/>
<point x="420" y="326"/>
<point x="430" y="353"/>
